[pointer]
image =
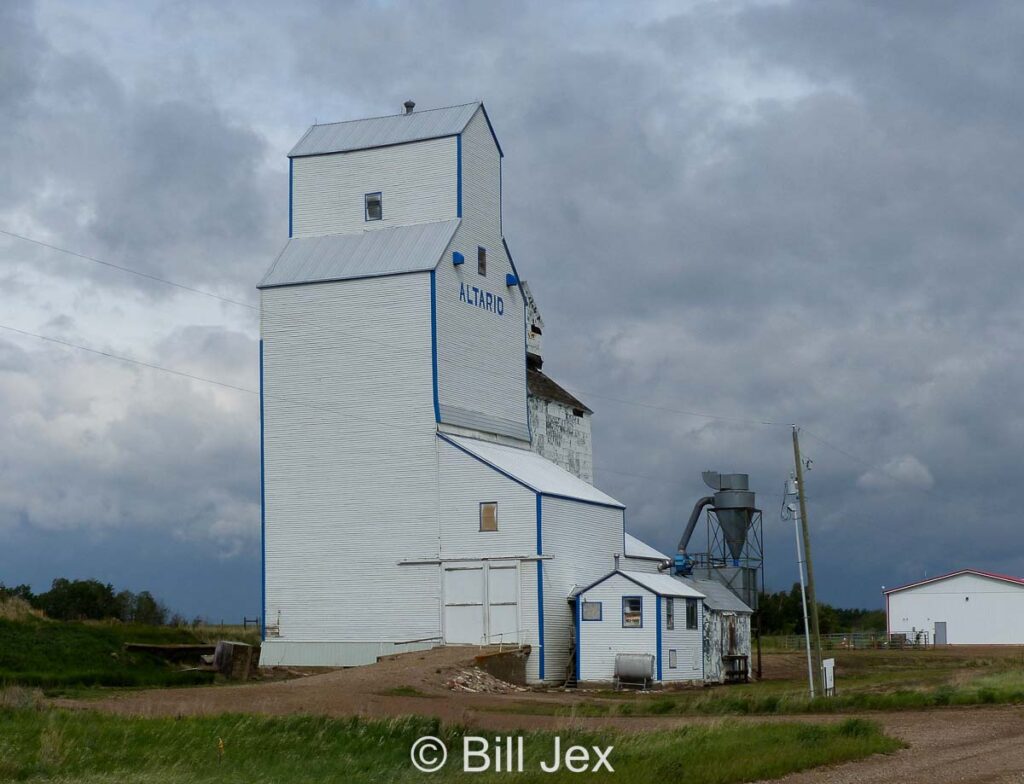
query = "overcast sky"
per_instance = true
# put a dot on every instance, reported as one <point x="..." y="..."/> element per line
<point x="804" y="212"/>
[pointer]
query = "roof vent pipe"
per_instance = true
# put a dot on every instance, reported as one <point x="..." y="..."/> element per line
<point x="409" y="106"/>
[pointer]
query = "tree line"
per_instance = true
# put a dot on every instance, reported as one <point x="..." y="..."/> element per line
<point x="81" y="600"/>
<point x="782" y="613"/>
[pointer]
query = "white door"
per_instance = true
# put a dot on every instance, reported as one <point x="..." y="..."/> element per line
<point x="502" y="603"/>
<point x="481" y="603"/>
<point x="464" y="604"/>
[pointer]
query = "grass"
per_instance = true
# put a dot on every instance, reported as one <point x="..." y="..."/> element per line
<point x="60" y="655"/>
<point x="867" y="681"/>
<point x="49" y="745"/>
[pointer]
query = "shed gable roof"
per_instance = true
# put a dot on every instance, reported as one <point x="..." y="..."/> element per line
<point x="542" y="386"/>
<point x="373" y="132"/>
<point x="978" y="572"/>
<point x="531" y="470"/>
<point x="389" y="251"/>
<point x="717" y="596"/>
<point x="660" y="584"/>
<point x="634" y="548"/>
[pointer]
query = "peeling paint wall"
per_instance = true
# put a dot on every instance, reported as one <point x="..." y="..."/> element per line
<point x="717" y="638"/>
<point x="562" y="437"/>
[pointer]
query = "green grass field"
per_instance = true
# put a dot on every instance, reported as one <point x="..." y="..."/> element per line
<point x="59" y="655"/>
<point x="866" y="680"/>
<point x="39" y="745"/>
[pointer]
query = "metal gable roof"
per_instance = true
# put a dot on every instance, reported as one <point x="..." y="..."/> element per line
<point x="389" y="251"/>
<point x="383" y="131"/>
<point x="993" y="575"/>
<point x="717" y="596"/>
<point x="637" y="549"/>
<point x="661" y="584"/>
<point x="528" y="468"/>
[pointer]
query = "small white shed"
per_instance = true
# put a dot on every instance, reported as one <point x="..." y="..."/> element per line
<point x="627" y="612"/>
<point x="965" y="607"/>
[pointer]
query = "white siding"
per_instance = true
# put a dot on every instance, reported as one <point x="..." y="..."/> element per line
<point x="418" y="182"/>
<point x="977" y="610"/>
<point x="562" y="437"/>
<point x="688" y="643"/>
<point x="350" y="463"/>
<point x="581" y="540"/>
<point x="465" y="483"/>
<point x="600" y="641"/>
<point x="639" y="565"/>
<point x="481" y="354"/>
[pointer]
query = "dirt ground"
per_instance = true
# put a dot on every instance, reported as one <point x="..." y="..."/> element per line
<point x="955" y="744"/>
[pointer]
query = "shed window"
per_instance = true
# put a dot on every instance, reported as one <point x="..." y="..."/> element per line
<point x="670" y="613"/>
<point x="632" y="612"/>
<point x="691" y="613"/>
<point x="592" y="611"/>
<point x="481" y="261"/>
<point x="673" y="659"/>
<point x="489" y="516"/>
<point x="374" y="205"/>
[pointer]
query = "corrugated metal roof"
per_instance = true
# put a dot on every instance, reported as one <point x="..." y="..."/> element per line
<point x="993" y="575"/>
<point x="536" y="472"/>
<point x="637" y="549"/>
<point x="716" y="596"/>
<point x="373" y="253"/>
<point x="382" y="131"/>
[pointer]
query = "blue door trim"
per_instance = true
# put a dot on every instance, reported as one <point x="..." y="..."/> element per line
<point x="657" y="620"/>
<point x="433" y="342"/>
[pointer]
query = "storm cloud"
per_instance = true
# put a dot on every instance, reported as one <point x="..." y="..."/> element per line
<point x="781" y="212"/>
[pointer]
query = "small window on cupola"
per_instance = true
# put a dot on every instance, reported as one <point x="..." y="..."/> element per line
<point x="374" y="206"/>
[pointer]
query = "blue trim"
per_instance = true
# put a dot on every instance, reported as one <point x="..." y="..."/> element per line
<point x="458" y="258"/>
<point x="493" y="134"/>
<point x="501" y="225"/>
<point x="600" y="612"/>
<point x="526" y="352"/>
<point x="657" y="618"/>
<point x="458" y="174"/>
<point x="632" y="596"/>
<point x="433" y="343"/>
<point x="290" y="190"/>
<point x="540" y="583"/>
<point x="263" y="515"/>
<point x="579" y="642"/>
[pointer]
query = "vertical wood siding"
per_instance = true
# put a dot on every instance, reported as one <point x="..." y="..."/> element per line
<point x="417" y="181"/>
<point x="348" y="424"/>
<point x="481" y="355"/>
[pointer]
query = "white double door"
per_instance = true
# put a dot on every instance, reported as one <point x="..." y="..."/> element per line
<point x="481" y="602"/>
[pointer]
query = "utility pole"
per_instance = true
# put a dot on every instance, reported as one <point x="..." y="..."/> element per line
<point x="811" y="597"/>
<point x="792" y="509"/>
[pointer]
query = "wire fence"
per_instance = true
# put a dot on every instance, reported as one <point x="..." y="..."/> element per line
<point x="899" y="640"/>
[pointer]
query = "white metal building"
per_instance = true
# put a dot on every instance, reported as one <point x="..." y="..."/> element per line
<point x="402" y="504"/>
<point x="639" y="613"/>
<point x="966" y="607"/>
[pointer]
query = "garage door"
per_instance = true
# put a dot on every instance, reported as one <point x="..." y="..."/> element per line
<point x="481" y="603"/>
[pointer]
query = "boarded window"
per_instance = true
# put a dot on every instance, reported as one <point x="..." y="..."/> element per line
<point x="481" y="261"/>
<point x="691" y="613"/>
<point x="632" y="612"/>
<point x="592" y="611"/>
<point x="489" y="516"/>
<point x="673" y="659"/>
<point x="670" y="613"/>
<point x="374" y="206"/>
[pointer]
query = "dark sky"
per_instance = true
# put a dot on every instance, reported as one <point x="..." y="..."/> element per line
<point x="786" y="211"/>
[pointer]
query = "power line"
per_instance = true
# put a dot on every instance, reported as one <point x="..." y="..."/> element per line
<point x="130" y="271"/>
<point x="268" y="311"/>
